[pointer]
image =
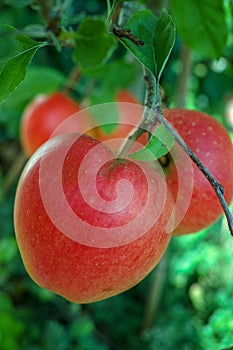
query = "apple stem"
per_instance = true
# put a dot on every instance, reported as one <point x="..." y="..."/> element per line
<point x="152" y="102"/>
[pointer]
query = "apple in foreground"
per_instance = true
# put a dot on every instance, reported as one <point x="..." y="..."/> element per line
<point x="89" y="226"/>
<point x="210" y="141"/>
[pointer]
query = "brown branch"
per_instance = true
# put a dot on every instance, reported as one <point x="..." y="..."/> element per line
<point x="74" y="76"/>
<point x="126" y="33"/>
<point x="119" y="19"/>
<point x="52" y="20"/>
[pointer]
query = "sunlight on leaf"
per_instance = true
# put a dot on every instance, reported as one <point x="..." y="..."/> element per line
<point x="159" y="145"/>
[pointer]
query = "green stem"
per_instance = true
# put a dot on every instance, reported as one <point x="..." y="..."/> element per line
<point x="149" y="117"/>
<point x="155" y="293"/>
<point x="183" y="81"/>
<point x="108" y="6"/>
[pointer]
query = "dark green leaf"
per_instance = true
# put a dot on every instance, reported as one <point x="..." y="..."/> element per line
<point x="16" y="52"/>
<point x="93" y="43"/>
<point x="34" y="83"/>
<point x="115" y="74"/>
<point x="106" y="115"/>
<point x="158" y="36"/>
<point x="142" y="25"/>
<point x="18" y="3"/>
<point x="201" y="25"/>
<point x="117" y="1"/>
<point x="160" y="144"/>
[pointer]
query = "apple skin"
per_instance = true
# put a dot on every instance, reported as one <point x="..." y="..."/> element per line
<point x="79" y="272"/>
<point x="210" y="141"/>
<point x="43" y="115"/>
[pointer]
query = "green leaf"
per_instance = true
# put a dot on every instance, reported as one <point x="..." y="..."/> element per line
<point x="142" y="25"/>
<point x="115" y="74"/>
<point x="16" y="52"/>
<point x="34" y="83"/>
<point x="159" y="145"/>
<point x="18" y="3"/>
<point x="105" y="113"/>
<point x="201" y="25"/>
<point x="158" y="35"/>
<point x="93" y="43"/>
<point x="164" y="41"/>
<point x="117" y="1"/>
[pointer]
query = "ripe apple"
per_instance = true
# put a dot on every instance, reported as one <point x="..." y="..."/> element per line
<point x="43" y="115"/>
<point x="89" y="226"/>
<point x="213" y="146"/>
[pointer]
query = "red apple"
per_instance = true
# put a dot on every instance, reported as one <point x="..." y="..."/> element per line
<point x="213" y="146"/>
<point x="43" y="115"/>
<point x="89" y="226"/>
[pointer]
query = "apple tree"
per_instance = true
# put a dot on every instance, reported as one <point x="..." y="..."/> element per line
<point x="132" y="99"/>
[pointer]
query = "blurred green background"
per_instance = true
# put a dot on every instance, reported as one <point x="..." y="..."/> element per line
<point x="187" y="301"/>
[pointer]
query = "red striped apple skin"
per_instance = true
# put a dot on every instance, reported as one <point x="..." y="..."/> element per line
<point x="79" y="272"/>
<point x="210" y="141"/>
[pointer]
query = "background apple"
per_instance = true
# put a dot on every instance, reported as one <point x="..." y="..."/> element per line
<point x="89" y="272"/>
<point x="129" y="115"/>
<point x="213" y="146"/>
<point x="43" y="115"/>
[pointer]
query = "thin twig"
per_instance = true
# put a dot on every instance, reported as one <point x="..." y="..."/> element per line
<point x="183" y="80"/>
<point x="217" y="186"/>
<point x="119" y="20"/>
<point x="150" y="119"/>
<point x="155" y="293"/>
<point x="126" y="33"/>
<point x="74" y="76"/>
<point x="52" y="21"/>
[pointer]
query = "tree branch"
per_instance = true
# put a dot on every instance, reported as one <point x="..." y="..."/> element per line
<point x="73" y="77"/>
<point x="217" y="186"/>
<point x="52" y="20"/>
<point x="151" y="116"/>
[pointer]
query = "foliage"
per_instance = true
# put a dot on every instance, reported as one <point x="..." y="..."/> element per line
<point x="195" y="310"/>
<point x="208" y="22"/>
<point x="160" y="143"/>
